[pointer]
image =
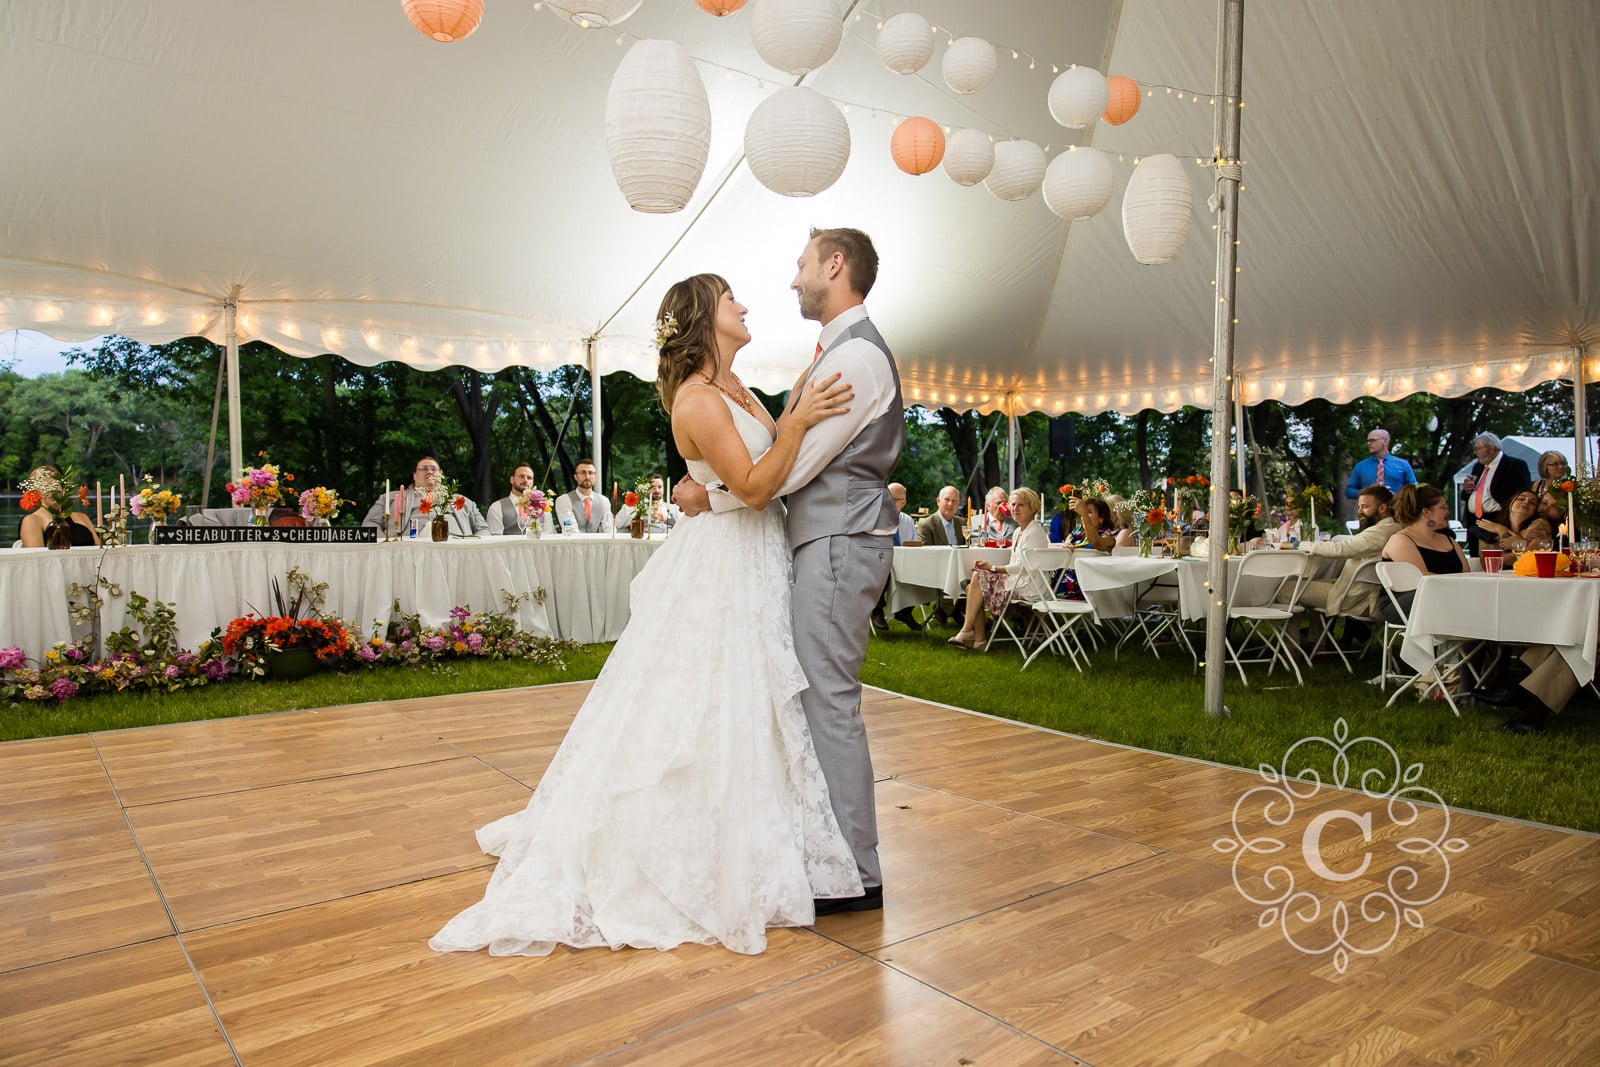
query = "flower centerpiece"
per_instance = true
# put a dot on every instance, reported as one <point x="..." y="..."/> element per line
<point x="320" y="506"/>
<point x="54" y="492"/>
<point x="256" y="640"/>
<point x="531" y="504"/>
<point x="1242" y="510"/>
<point x="1150" y="519"/>
<point x="154" y="504"/>
<point x="259" y="488"/>
<point x="1307" y="500"/>
<point x="638" y="499"/>
<point x="438" y="504"/>
<point x="1189" y="497"/>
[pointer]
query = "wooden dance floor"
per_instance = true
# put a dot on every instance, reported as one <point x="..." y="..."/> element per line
<point x="261" y="891"/>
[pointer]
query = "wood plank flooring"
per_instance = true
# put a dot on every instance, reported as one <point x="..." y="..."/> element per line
<point x="261" y="891"/>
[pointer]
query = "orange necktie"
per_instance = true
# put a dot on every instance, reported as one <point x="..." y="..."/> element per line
<point x="1477" y="493"/>
<point x="818" y="354"/>
<point x="587" y="513"/>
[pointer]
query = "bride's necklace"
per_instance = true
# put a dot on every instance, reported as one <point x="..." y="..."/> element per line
<point x="745" y="401"/>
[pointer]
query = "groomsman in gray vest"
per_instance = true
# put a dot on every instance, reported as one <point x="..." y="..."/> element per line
<point x="841" y="527"/>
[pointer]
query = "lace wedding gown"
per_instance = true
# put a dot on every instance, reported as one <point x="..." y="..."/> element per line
<point x="685" y="803"/>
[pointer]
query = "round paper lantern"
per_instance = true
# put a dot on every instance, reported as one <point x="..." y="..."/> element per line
<point x="1078" y="183"/>
<point x="1125" y="99"/>
<point x="1156" y="209"/>
<point x="917" y="145"/>
<point x="1078" y="96"/>
<point x="1018" y="170"/>
<point x="905" y="44"/>
<point x="444" y="20"/>
<point x="797" y="142"/>
<point x="593" y="14"/>
<point x="969" y="64"/>
<point x="796" y="36"/>
<point x="968" y="156"/>
<point x="720" y="8"/>
<point x="658" y="126"/>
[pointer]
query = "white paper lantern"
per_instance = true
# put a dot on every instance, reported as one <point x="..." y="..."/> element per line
<point x="796" y="35"/>
<point x="1078" y="183"/>
<point x="1079" y="96"/>
<point x="969" y="64"/>
<point x="1156" y="209"/>
<point x="905" y="44"/>
<point x="658" y="126"/>
<point x="968" y="156"/>
<point x="593" y="14"/>
<point x="797" y="142"/>
<point x="1018" y="170"/>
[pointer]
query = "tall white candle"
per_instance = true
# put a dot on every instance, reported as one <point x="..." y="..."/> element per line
<point x="99" y="520"/>
<point x="1313" y="503"/>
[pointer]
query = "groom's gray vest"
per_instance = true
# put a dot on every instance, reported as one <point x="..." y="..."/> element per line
<point x="851" y="494"/>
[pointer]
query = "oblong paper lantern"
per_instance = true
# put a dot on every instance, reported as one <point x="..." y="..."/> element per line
<point x="796" y="36"/>
<point x="1078" y="183"/>
<point x="917" y="145"/>
<point x="1018" y="169"/>
<point x="720" y="8"/>
<point x="1078" y="96"/>
<point x="968" y="156"/>
<point x="593" y="14"/>
<point x="905" y="44"/>
<point x="797" y="142"/>
<point x="444" y="20"/>
<point x="1156" y="209"/>
<point x="968" y="64"/>
<point x="1124" y="100"/>
<point x="658" y="126"/>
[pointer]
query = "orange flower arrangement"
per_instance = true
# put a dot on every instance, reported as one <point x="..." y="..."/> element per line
<point x="252" y="638"/>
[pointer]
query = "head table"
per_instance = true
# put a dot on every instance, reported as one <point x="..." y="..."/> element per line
<point x="585" y="579"/>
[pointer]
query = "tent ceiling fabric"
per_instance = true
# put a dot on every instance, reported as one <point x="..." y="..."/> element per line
<point x="1419" y="211"/>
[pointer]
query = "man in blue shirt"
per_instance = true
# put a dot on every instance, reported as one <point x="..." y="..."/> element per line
<point x="1379" y="468"/>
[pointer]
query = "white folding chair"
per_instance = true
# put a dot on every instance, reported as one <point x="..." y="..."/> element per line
<point x="1365" y="574"/>
<point x="1451" y="660"/>
<point x="1056" y="617"/>
<point x="1256" y="597"/>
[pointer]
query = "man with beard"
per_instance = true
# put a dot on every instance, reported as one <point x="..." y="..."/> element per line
<point x="1322" y="594"/>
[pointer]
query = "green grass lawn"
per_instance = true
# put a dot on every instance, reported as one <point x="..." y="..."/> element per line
<point x="1137" y="700"/>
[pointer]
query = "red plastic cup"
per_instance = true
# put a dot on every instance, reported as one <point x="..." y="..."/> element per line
<point x="1545" y="564"/>
<point x="1493" y="559"/>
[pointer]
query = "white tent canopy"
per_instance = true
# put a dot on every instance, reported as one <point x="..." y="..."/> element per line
<point x="1419" y="209"/>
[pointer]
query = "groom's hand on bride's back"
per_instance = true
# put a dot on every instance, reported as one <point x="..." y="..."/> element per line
<point x="690" y="496"/>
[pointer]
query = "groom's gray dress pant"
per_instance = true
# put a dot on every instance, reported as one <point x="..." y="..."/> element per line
<point x="836" y="584"/>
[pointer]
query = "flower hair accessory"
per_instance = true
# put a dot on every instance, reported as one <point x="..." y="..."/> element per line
<point x="666" y="329"/>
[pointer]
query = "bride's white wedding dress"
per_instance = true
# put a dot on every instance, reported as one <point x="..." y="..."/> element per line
<point x="685" y="803"/>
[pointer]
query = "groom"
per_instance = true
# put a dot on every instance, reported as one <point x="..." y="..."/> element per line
<point x="841" y="528"/>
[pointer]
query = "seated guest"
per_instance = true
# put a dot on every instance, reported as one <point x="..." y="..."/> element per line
<point x="32" y="530"/>
<point x="943" y="527"/>
<point x="988" y="588"/>
<point x="1553" y="470"/>
<point x="1424" y="539"/>
<point x="505" y="514"/>
<point x="1523" y="526"/>
<point x="428" y="477"/>
<point x="905" y="536"/>
<point x="1122" y="516"/>
<point x="1096" y="528"/>
<point x="587" y="509"/>
<point x="663" y="514"/>
<point x="1062" y="525"/>
<point x="1377" y="526"/>
<point x="995" y="522"/>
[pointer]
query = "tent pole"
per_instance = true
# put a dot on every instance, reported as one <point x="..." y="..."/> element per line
<point x="1011" y="438"/>
<point x="1580" y="418"/>
<point x="1231" y="18"/>
<point x="594" y="415"/>
<point x="230" y="310"/>
<point x="211" y="443"/>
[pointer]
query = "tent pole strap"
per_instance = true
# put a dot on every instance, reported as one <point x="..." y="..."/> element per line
<point x="1580" y="416"/>
<point x="593" y="359"/>
<point x="1222" y="391"/>
<point x="1011" y="437"/>
<point x="230" y="311"/>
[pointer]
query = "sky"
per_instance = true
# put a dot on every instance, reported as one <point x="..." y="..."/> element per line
<point x="32" y="354"/>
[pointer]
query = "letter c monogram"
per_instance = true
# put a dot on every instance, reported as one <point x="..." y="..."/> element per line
<point x="1311" y="844"/>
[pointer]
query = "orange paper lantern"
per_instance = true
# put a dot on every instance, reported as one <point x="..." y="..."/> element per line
<point x="720" y="8"/>
<point x="444" y="20"/>
<point x="917" y="145"/>
<point x="1125" y="98"/>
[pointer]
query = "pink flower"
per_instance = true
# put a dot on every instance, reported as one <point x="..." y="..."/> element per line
<point x="62" y="688"/>
<point x="172" y="671"/>
<point x="241" y="494"/>
<point x="11" y="658"/>
<point x="474" y="641"/>
<point x="260" y="477"/>
<point x="436" y="643"/>
<point x="367" y="653"/>
<point x="136" y="505"/>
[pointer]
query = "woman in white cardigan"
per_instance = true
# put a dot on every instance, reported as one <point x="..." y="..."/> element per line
<point x="987" y="589"/>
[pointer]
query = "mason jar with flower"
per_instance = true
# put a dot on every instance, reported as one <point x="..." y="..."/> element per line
<point x="532" y="504"/>
<point x="320" y="505"/>
<point x="154" y="504"/>
<point x="259" y="488"/>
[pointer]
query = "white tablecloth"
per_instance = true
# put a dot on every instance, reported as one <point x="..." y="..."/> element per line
<point x="1112" y="584"/>
<point x="919" y="575"/>
<point x="1564" y="612"/>
<point x="585" y="579"/>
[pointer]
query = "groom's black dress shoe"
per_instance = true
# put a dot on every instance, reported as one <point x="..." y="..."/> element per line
<point x="871" y="900"/>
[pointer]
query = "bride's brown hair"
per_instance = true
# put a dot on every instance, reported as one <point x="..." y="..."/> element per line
<point x="686" y="332"/>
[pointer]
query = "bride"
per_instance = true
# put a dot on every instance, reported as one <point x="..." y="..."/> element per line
<point x="685" y="804"/>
